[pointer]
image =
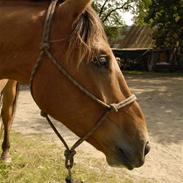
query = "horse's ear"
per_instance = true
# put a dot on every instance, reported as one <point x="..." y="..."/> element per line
<point x="77" y="6"/>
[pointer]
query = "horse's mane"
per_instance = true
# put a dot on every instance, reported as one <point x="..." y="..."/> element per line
<point x="87" y="32"/>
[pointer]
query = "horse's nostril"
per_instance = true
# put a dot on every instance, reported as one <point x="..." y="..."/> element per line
<point x="147" y="148"/>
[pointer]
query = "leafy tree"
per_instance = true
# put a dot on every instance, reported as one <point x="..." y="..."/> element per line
<point x="141" y="11"/>
<point x="110" y="11"/>
<point x="166" y="17"/>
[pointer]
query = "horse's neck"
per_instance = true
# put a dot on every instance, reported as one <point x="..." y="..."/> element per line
<point x="20" y="36"/>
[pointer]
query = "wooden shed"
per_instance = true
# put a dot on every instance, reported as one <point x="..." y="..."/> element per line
<point x="135" y="46"/>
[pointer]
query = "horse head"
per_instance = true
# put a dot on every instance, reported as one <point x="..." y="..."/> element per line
<point x="79" y="43"/>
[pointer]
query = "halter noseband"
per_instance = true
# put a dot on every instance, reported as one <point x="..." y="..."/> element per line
<point x="45" y="51"/>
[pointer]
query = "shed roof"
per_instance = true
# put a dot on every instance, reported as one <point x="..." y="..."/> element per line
<point x="136" y="37"/>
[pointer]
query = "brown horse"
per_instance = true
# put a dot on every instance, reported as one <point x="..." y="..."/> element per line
<point x="77" y="39"/>
<point x="9" y="93"/>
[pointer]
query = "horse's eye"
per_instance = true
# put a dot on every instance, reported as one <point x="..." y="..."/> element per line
<point x="101" y="61"/>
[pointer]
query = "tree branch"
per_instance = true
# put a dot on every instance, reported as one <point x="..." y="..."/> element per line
<point x="113" y="10"/>
<point x="102" y="8"/>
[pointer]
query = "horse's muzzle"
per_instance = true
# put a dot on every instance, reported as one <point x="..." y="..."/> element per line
<point x="128" y="159"/>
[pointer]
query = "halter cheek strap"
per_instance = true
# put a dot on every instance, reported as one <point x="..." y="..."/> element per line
<point x="115" y="107"/>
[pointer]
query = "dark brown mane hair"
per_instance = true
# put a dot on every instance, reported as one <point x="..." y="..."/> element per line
<point x="87" y="33"/>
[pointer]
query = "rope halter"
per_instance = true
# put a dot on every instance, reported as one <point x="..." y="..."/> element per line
<point x="115" y="107"/>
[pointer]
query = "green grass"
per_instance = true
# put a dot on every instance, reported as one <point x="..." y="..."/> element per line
<point x="34" y="160"/>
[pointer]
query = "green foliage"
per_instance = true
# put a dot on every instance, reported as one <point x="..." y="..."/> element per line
<point x="166" y="17"/>
<point x="110" y="11"/>
<point x="142" y="7"/>
<point x="113" y="33"/>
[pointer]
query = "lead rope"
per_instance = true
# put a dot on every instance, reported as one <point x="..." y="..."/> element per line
<point x="71" y="152"/>
<point x="68" y="153"/>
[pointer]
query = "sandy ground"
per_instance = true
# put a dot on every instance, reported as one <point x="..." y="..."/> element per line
<point x="162" y="101"/>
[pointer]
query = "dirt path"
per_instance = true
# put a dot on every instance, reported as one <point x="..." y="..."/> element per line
<point x="162" y="102"/>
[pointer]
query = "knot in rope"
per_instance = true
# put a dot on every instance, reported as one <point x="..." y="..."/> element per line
<point x="69" y="162"/>
<point x="44" y="46"/>
<point x="69" y="180"/>
<point x="69" y="158"/>
<point x="114" y="107"/>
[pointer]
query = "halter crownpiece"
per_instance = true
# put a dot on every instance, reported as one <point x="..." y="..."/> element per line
<point x="115" y="107"/>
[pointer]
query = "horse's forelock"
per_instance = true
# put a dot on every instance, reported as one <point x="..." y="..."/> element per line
<point x="87" y="32"/>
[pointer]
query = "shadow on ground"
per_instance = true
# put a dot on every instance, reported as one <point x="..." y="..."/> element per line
<point x="162" y="101"/>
